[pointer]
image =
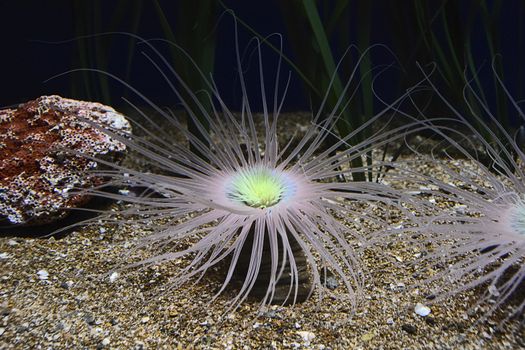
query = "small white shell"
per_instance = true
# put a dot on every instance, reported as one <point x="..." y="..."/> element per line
<point x="422" y="310"/>
<point x="113" y="277"/>
<point x="307" y="336"/>
<point x="43" y="274"/>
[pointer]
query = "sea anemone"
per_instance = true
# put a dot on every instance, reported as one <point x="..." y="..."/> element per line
<point x="472" y="205"/>
<point x="245" y="199"/>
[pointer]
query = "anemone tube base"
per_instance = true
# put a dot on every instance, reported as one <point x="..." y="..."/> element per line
<point x="284" y="286"/>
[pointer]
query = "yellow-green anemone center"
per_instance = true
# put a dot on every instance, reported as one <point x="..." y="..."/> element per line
<point x="257" y="188"/>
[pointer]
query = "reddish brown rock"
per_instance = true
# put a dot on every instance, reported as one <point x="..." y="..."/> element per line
<point x="37" y="175"/>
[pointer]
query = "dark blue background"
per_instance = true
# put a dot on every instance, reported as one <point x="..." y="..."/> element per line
<point x="27" y="61"/>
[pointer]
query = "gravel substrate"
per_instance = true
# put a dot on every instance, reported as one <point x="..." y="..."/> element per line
<point x="62" y="294"/>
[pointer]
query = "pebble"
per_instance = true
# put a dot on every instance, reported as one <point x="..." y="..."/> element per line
<point x="89" y="319"/>
<point x="430" y="321"/>
<point x="398" y="287"/>
<point x="410" y="329"/>
<point x="493" y="290"/>
<point x="368" y="336"/>
<point x="95" y="332"/>
<point x="12" y="242"/>
<point x="2" y="331"/>
<point x="113" y="277"/>
<point x="65" y="326"/>
<point x="82" y="297"/>
<point x="270" y="314"/>
<point x="105" y="341"/>
<point x="460" y="209"/>
<point x="306" y="336"/>
<point x="67" y="284"/>
<point x="43" y="274"/>
<point x="413" y="193"/>
<point x="24" y="327"/>
<point x="331" y="282"/>
<point x="422" y="310"/>
<point x="4" y="256"/>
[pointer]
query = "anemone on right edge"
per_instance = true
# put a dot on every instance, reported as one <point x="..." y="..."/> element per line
<point x="470" y="193"/>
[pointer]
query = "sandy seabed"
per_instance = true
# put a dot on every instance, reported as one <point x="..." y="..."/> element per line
<point x="60" y="294"/>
